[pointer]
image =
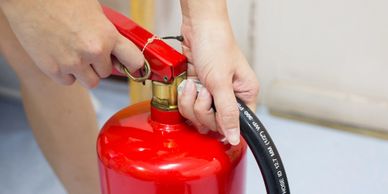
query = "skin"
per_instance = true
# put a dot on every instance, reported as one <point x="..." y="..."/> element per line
<point x="219" y="64"/>
<point x="69" y="147"/>
<point x="62" y="40"/>
<point x="54" y="43"/>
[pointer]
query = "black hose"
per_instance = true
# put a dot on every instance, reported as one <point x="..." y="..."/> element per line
<point x="261" y="145"/>
<point x="264" y="151"/>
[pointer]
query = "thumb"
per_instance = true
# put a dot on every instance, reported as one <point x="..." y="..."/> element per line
<point x="227" y="114"/>
<point x="128" y="54"/>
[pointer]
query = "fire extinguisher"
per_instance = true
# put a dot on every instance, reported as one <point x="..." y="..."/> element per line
<point x="149" y="148"/>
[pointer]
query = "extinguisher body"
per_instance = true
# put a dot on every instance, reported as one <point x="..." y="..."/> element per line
<point x="145" y="150"/>
<point x="149" y="148"/>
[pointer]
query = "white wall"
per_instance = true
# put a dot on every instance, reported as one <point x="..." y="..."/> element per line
<point x="325" y="59"/>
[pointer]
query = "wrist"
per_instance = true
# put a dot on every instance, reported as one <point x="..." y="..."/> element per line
<point x="198" y="11"/>
<point x="219" y="31"/>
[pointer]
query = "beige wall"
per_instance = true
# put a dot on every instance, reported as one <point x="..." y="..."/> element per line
<point x="325" y="59"/>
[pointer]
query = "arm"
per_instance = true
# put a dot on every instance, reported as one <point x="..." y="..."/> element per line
<point x="70" y="40"/>
<point x="219" y="64"/>
<point x="63" y="41"/>
<point x="62" y="118"/>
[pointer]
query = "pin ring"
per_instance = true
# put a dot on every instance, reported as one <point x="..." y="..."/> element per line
<point x="147" y="70"/>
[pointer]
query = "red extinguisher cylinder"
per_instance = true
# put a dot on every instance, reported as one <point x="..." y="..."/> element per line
<point x="138" y="155"/>
<point x="146" y="149"/>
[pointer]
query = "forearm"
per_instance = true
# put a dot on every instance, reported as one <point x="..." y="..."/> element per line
<point x="204" y="10"/>
<point x="62" y="118"/>
<point x="206" y="20"/>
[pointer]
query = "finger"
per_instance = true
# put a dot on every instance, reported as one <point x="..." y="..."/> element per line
<point x="227" y="115"/>
<point x="117" y="65"/>
<point x="249" y="94"/>
<point x="186" y="100"/>
<point x="64" y="79"/>
<point x="56" y="74"/>
<point x="247" y="86"/>
<point x="87" y="77"/>
<point x="128" y="54"/>
<point x="203" y="110"/>
<point x="103" y="66"/>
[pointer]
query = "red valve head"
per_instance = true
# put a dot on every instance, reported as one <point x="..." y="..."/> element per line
<point x="165" y="62"/>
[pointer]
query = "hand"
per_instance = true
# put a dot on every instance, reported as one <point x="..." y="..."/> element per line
<point x="70" y="40"/>
<point x="224" y="71"/>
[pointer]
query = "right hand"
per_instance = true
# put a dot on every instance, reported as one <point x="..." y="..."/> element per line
<point x="220" y="65"/>
<point x="70" y="40"/>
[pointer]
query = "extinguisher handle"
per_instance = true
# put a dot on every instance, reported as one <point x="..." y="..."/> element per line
<point x="164" y="61"/>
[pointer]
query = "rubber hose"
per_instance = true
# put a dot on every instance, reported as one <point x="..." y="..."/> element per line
<point x="261" y="145"/>
<point x="264" y="151"/>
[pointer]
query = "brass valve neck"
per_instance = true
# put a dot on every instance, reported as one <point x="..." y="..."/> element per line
<point x="165" y="96"/>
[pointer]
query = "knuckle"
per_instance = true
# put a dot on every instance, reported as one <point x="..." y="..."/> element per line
<point x="106" y="71"/>
<point x="64" y="80"/>
<point x="90" y="46"/>
<point x="110" y="30"/>
<point x="67" y="81"/>
<point x="105" y="74"/>
<point x="229" y="112"/>
<point x="140" y="62"/>
<point x="73" y="63"/>
<point x="200" y="111"/>
<point x="95" y="48"/>
<point x="185" y="102"/>
<point x="184" y="111"/>
<point x="92" y="83"/>
<point x="137" y="64"/>
<point x="205" y="118"/>
<point x="219" y="81"/>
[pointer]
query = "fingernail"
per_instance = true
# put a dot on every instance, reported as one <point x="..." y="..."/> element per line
<point x="233" y="136"/>
<point x="189" y="86"/>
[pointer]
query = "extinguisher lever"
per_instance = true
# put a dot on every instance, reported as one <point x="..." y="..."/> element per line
<point x="164" y="61"/>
